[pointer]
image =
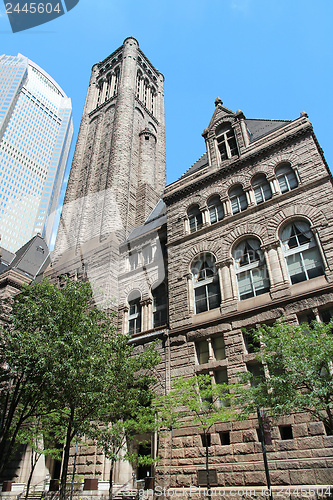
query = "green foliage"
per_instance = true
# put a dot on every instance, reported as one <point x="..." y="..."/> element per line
<point x="62" y="358"/>
<point x="195" y="397"/>
<point x="299" y="362"/>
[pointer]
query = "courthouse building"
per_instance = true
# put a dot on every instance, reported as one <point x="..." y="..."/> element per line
<point x="242" y="238"/>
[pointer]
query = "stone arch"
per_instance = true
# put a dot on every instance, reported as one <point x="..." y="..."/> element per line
<point x="195" y="199"/>
<point x="209" y="192"/>
<point x="246" y="230"/>
<point x="312" y="214"/>
<point x="140" y="112"/>
<point x="242" y="179"/>
<point x="212" y="247"/>
<point x="128" y="291"/>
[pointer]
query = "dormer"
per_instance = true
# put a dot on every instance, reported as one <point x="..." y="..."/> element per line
<point x="226" y="136"/>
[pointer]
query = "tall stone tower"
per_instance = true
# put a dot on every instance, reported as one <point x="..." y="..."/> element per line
<point x="118" y="171"/>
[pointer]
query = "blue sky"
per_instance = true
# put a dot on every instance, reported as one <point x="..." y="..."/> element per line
<point x="270" y="58"/>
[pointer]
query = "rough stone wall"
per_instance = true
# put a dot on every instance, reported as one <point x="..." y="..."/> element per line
<point x="110" y="162"/>
<point x="307" y="458"/>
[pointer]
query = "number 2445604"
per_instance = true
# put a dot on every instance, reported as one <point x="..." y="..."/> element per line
<point x="33" y="8"/>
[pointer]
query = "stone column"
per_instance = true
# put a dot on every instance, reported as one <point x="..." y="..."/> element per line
<point x="272" y="182"/>
<point x="250" y="196"/>
<point x="278" y="284"/>
<point x="229" y="286"/>
<point x="205" y="215"/>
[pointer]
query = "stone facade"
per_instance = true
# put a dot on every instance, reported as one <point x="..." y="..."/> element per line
<point x="213" y="257"/>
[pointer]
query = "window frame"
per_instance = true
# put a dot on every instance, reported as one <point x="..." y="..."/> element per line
<point x="206" y="282"/>
<point x="301" y="249"/>
<point x="249" y="269"/>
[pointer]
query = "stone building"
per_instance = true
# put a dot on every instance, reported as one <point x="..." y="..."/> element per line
<point x="243" y="237"/>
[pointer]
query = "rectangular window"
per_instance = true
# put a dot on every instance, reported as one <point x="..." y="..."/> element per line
<point x="219" y="348"/>
<point x="202" y="352"/>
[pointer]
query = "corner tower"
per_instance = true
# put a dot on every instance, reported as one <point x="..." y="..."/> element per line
<point x="118" y="171"/>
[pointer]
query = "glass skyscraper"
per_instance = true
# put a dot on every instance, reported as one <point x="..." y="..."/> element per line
<point x="36" y="131"/>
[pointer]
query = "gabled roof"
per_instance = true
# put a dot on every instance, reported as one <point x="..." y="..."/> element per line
<point x="198" y="165"/>
<point x="31" y="259"/>
<point x="220" y="112"/>
<point x="260" y="128"/>
<point x="156" y="219"/>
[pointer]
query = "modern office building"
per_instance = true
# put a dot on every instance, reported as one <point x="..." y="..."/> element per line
<point x="35" y="136"/>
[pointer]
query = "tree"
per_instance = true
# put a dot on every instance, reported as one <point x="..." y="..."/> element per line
<point x="61" y="354"/>
<point x="206" y="404"/>
<point x="128" y="412"/>
<point x="39" y="435"/>
<point x="299" y="375"/>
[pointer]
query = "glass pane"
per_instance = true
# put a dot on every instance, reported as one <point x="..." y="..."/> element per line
<point x="243" y="201"/>
<point x="267" y="191"/>
<point x="214" y="295"/>
<point x="283" y="184"/>
<point x="295" y="269"/>
<point x="244" y="286"/>
<point x="292" y="179"/>
<point x="312" y="259"/>
<point x="260" y="280"/>
<point x="213" y="215"/>
<point x="258" y="195"/>
<point x="234" y="205"/>
<point x="221" y="377"/>
<point x="202" y="352"/>
<point x="200" y="300"/>
<point x="219" y="348"/>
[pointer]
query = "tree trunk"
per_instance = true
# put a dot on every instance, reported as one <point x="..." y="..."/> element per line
<point x="33" y="466"/>
<point x="111" y="480"/>
<point x="65" y="460"/>
<point x="207" y="467"/>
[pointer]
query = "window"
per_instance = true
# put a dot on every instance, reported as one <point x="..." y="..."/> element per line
<point x="202" y="352"/>
<point x="147" y="255"/>
<point x="159" y="306"/>
<point x="134" y="316"/>
<point x="215" y="207"/>
<point x="286" y="177"/>
<point x="300" y="251"/>
<point x="224" y="438"/>
<point x="257" y="373"/>
<point x="133" y="261"/>
<point x="226" y="142"/>
<point x="286" y="432"/>
<point x="205" y="283"/>
<point x="218" y="348"/>
<point x="205" y="440"/>
<point x="221" y="377"/>
<point x="261" y="188"/>
<point x="250" y="268"/>
<point x="251" y="344"/>
<point x="237" y="199"/>
<point x="195" y="218"/>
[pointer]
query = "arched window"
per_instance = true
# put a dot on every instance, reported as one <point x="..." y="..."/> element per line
<point x="116" y="82"/>
<point x="250" y="268"/>
<point x="194" y="218"/>
<point x="216" y="211"/>
<point x="205" y="283"/>
<point x="152" y="100"/>
<point x="286" y="177"/>
<point x="100" y="89"/>
<point x="226" y="141"/>
<point x="261" y="188"/>
<point x="159" y="306"/>
<point x="134" y="315"/>
<point x="301" y="252"/>
<point x="138" y="84"/>
<point x="237" y="199"/>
